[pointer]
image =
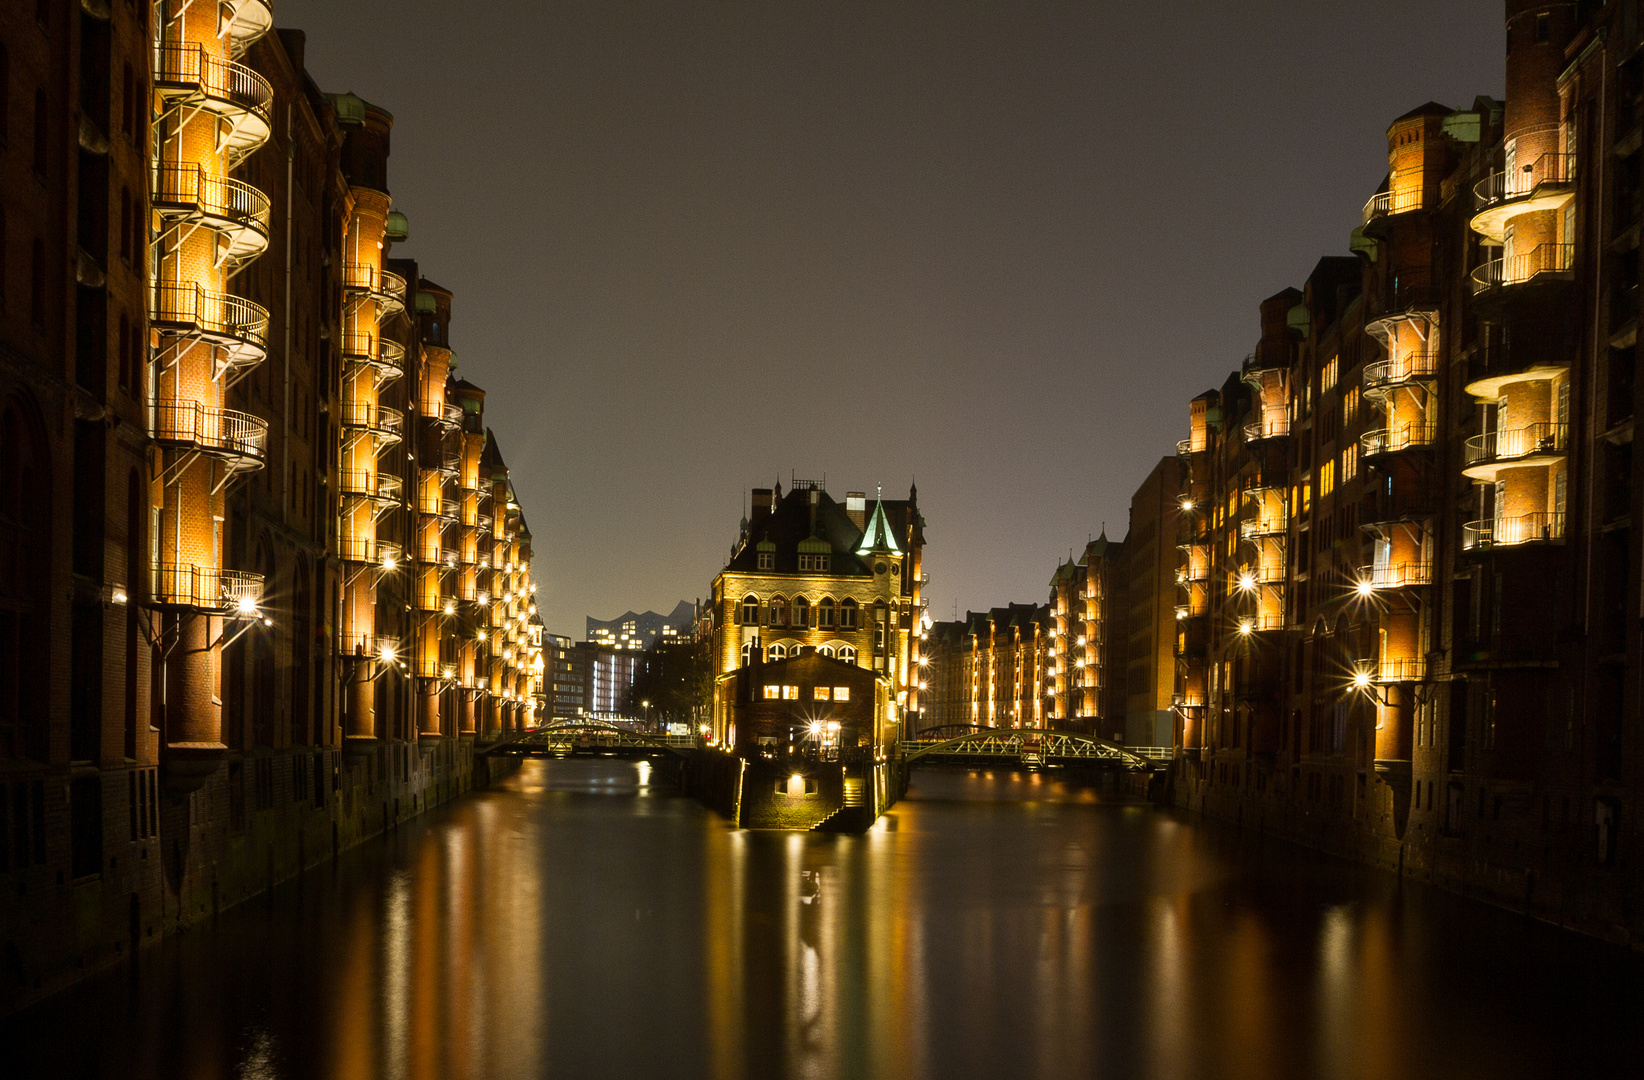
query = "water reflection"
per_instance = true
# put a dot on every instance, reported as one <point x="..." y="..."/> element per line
<point x="584" y="921"/>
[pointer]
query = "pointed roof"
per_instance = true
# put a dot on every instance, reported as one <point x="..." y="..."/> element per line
<point x="878" y="536"/>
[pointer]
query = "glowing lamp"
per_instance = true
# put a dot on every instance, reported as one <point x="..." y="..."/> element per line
<point x="1361" y="680"/>
<point x="1365" y="588"/>
<point x="1247" y="581"/>
<point x="386" y="654"/>
<point x="246" y="604"/>
<point x="1247" y="626"/>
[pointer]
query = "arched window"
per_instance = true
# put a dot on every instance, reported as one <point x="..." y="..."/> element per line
<point x="779" y="611"/>
<point x="824" y="613"/>
<point x="776" y="652"/>
<point x="847" y="654"/>
<point x="847" y="614"/>
<point x="747" y="653"/>
<point x="750" y="610"/>
<point x="824" y="650"/>
<point x="802" y="613"/>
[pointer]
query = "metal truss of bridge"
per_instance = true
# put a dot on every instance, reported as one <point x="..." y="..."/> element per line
<point x="593" y="737"/>
<point x="1028" y="746"/>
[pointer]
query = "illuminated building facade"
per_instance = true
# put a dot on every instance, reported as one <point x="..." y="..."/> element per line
<point x="216" y="666"/>
<point x="1086" y="688"/>
<point x="846" y="580"/>
<point x="989" y="669"/>
<point x="1408" y="572"/>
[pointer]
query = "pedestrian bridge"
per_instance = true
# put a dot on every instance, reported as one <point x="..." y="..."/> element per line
<point x="594" y="737"/>
<point x="1025" y="746"/>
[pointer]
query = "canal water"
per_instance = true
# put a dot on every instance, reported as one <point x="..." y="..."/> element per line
<point x="581" y="921"/>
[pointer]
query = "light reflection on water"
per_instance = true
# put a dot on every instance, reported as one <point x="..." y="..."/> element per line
<point x="583" y="921"/>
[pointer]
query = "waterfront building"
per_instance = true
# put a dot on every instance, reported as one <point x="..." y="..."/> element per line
<point x="1087" y="693"/>
<point x="1406" y="519"/>
<point x="1148" y="645"/>
<point x="991" y="669"/>
<point x="228" y="436"/>
<point x="806" y="571"/>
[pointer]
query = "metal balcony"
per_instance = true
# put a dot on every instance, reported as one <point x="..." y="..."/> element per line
<point x="1550" y="262"/>
<point x="1407" y="368"/>
<point x="1394" y="440"/>
<point x="1264" y="525"/>
<point x="1534" y="444"/>
<point x="1187" y="446"/>
<point x="1396" y="575"/>
<point x="1386" y="203"/>
<point x="247" y="20"/>
<point x="1399" y="669"/>
<point x="188" y="76"/>
<point x="376" y="486"/>
<point x="1268" y="572"/>
<point x="385" y="356"/>
<point x="1187" y="575"/>
<point x="1491" y="533"/>
<point x="365" y="549"/>
<point x="205" y="589"/>
<point x="383" y="287"/>
<point x="1275" y="428"/>
<point x="238" y="326"/>
<point x="235" y="437"/>
<point x="378" y="421"/>
<point x="232" y="209"/>
<point x="1548" y="183"/>
<point x="445" y="509"/>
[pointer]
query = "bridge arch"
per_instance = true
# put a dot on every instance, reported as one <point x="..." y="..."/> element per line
<point x="1024" y="743"/>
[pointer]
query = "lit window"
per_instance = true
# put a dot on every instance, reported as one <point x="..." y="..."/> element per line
<point x="1349" y="462"/>
<point x="772" y="692"/>
<point x="1327" y="378"/>
<point x="847" y="654"/>
<point x="750" y="610"/>
<point x="790" y="693"/>
<point x="813" y="563"/>
<point x="778" y="612"/>
<point x="776" y="652"/>
<point x="820" y="693"/>
<point x="841" y="693"/>
<point x="1327" y="478"/>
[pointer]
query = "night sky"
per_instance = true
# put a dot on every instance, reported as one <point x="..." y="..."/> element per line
<point x="996" y="247"/>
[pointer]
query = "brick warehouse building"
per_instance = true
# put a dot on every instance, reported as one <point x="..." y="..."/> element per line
<point x="1408" y="615"/>
<point x="263" y="579"/>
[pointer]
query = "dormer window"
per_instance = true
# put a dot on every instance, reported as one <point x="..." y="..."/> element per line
<point x="767" y="560"/>
<point x="814" y="564"/>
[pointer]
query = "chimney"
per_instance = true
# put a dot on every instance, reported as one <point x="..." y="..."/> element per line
<point x="856" y="508"/>
<point x="761" y="505"/>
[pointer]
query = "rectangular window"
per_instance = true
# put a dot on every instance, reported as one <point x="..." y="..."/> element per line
<point x="1327" y="379"/>
<point x="772" y="692"/>
<point x="1350" y="407"/>
<point x="841" y="693"/>
<point x="767" y="560"/>
<point x="820" y="693"/>
<point x="1349" y="462"/>
<point x="1327" y="478"/>
<point x="790" y="693"/>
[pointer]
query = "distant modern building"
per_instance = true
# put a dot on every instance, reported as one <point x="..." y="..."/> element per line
<point x="635" y="632"/>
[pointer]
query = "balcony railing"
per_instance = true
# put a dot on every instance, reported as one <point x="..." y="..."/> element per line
<point x="1509" y="532"/>
<point x="1384" y="203"/>
<point x="1406" y="368"/>
<point x="249" y="20"/>
<point x="191" y="72"/>
<point x="1269" y="573"/>
<point x="205" y="588"/>
<point x="1260" y="621"/>
<point x="1186" y="575"/>
<point x="1395" y="439"/>
<point x="235" y="323"/>
<point x="1529" y="441"/>
<point x="1524" y="181"/>
<point x="226" y="433"/>
<point x="384" y="354"/>
<point x="381" y="421"/>
<point x="365" y="549"/>
<point x="448" y="509"/>
<point x="232" y="208"/>
<point x="1275" y="428"/>
<point x="1396" y="575"/>
<point x="363" y="484"/>
<point x="1263" y="525"/>
<point x="1397" y="669"/>
<point x="383" y="286"/>
<point x="1520" y="269"/>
